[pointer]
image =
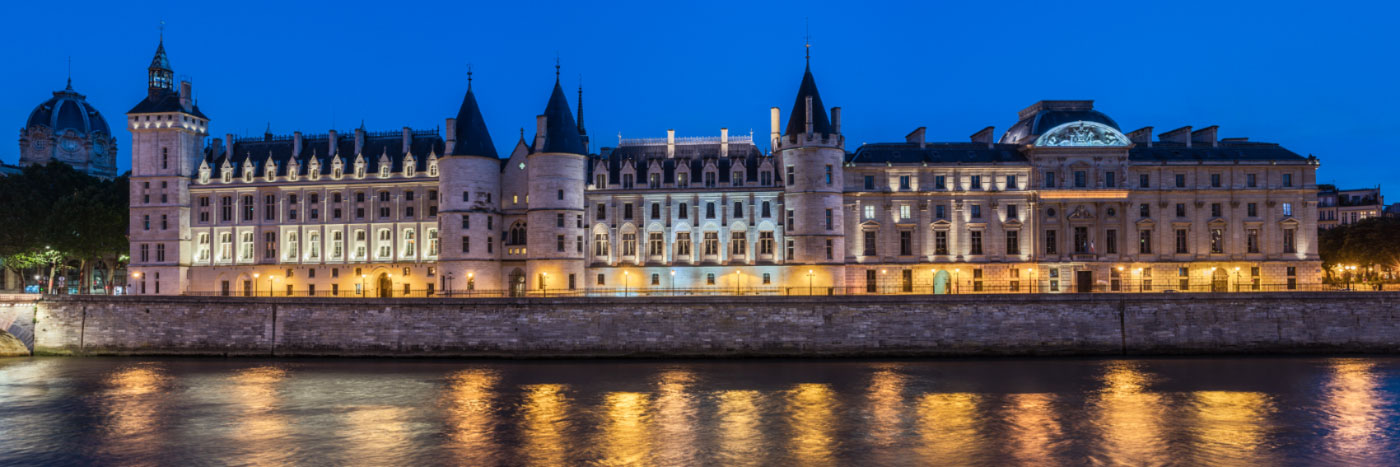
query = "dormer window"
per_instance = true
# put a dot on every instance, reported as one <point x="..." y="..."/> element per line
<point x="600" y="181"/>
<point x="383" y="170"/>
<point x="203" y="174"/>
<point x="270" y="172"/>
<point x="432" y="169"/>
<point x="359" y="169"/>
<point x="247" y="172"/>
<point x="683" y="179"/>
<point x="292" y="171"/>
<point x="227" y="174"/>
<point x="315" y="171"/>
<point x="408" y="168"/>
<point x="765" y="178"/>
<point x="337" y="170"/>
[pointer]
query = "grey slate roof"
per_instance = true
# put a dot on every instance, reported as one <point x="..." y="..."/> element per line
<point x="317" y="146"/>
<point x="936" y="153"/>
<point x="561" y="132"/>
<point x="68" y="109"/>
<point x="1222" y="152"/>
<point x="471" y="136"/>
<point x="695" y="156"/>
<point x="797" y="119"/>
<point x="165" y="101"/>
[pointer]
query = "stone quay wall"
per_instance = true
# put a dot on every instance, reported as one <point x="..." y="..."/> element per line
<point x="17" y="324"/>
<point x="947" y="325"/>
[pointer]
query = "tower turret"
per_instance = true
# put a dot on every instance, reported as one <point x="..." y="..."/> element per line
<point x="470" y="180"/>
<point x="554" y="204"/>
<point x="811" y="153"/>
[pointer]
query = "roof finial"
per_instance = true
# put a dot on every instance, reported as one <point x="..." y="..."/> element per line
<point x="70" y="72"/>
<point x="556" y="66"/>
<point x="469" y="77"/>
<point x="809" y="41"/>
<point x="162" y="31"/>
<point x="522" y="133"/>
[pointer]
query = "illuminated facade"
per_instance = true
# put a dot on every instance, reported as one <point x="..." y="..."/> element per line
<point x="1064" y="201"/>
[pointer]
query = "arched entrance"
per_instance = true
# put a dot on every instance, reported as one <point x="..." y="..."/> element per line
<point x="386" y="286"/>
<point x="517" y="283"/>
<point x="940" y="283"/>
<point x="1220" y="281"/>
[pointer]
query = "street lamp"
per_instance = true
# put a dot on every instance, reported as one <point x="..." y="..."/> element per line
<point x="932" y="281"/>
<point x="1030" y="274"/>
<point x="626" y="277"/>
<point x="1237" y="279"/>
<point x="955" y="279"/>
<point x="673" y="282"/>
<point x="390" y="293"/>
<point x="809" y="281"/>
<point x="136" y="275"/>
<point x="1120" y="279"/>
<point x="544" y="283"/>
<point x="362" y="284"/>
<point x="738" y="277"/>
<point x="1349" y="269"/>
<point x="255" y="284"/>
<point x="1139" y="274"/>
<point x="883" y="283"/>
<point x="269" y="284"/>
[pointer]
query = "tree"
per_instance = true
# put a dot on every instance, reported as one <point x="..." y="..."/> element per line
<point x="55" y="214"/>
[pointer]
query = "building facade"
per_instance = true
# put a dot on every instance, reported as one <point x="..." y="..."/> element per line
<point x="1064" y="201"/>
<point x="1345" y="207"/>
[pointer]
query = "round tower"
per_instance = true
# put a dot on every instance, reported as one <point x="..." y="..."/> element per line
<point x="811" y="153"/>
<point x="555" y="169"/>
<point x="470" y="181"/>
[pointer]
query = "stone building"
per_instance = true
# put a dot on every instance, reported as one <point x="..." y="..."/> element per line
<point x="68" y="129"/>
<point x="1064" y="201"/>
<point x="1343" y="207"/>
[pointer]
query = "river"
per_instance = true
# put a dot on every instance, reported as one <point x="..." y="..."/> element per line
<point x="1195" y="411"/>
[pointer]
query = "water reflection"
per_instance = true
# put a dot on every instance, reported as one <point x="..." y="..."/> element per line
<point x="377" y="435"/>
<point x="1035" y="430"/>
<point x="625" y="436"/>
<point x="886" y="402"/>
<point x="811" y="414"/>
<point x="470" y="412"/>
<point x="132" y="402"/>
<point x="949" y="428"/>
<point x="740" y="433"/>
<point x="261" y="431"/>
<point x="1130" y="420"/>
<point x="544" y="422"/>
<point x="1229" y="427"/>
<point x="676" y="418"/>
<point x="1351" y="407"/>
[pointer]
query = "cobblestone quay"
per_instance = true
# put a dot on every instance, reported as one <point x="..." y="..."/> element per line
<point x="949" y="325"/>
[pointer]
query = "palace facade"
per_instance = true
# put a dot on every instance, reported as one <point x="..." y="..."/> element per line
<point x="1064" y="201"/>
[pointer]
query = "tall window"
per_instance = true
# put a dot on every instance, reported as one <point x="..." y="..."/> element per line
<point x="1050" y="242"/>
<point x="906" y="243"/>
<point x="1013" y="242"/>
<point x="245" y="246"/>
<point x="940" y="242"/>
<point x="1081" y="239"/>
<point x="1181" y="241"/>
<point x="600" y="245"/>
<point x="655" y="244"/>
<point x="976" y="247"/>
<point x="1217" y="241"/>
<point x="1288" y="241"/>
<point x="738" y="244"/>
<point x="629" y="244"/>
<point x="1111" y="241"/>
<point x="1252" y="241"/>
<point x="765" y="243"/>
<point x="683" y="245"/>
<point x="868" y="243"/>
<point x="1145" y="242"/>
<point x="711" y="243"/>
<point x="829" y="219"/>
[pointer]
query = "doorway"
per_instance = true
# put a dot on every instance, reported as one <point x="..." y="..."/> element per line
<point x="940" y="283"/>
<point x="386" y="286"/>
<point x="517" y="283"/>
<point x="1084" y="281"/>
<point x="1220" y="281"/>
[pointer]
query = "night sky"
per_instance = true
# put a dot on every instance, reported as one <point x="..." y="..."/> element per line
<point x="1318" y="77"/>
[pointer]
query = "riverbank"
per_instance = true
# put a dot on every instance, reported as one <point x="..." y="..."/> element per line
<point x="11" y="346"/>
<point x="869" y="326"/>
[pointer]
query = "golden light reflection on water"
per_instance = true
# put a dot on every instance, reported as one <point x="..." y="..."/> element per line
<point x="1351" y="407"/>
<point x="811" y="415"/>
<point x="1229" y="427"/>
<point x="377" y="435"/>
<point x="741" y="440"/>
<point x="1130" y="419"/>
<point x="886" y="399"/>
<point x="544" y="425"/>
<point x="625" y="435"/>
<point x="675" y="419"/>
<point x="132" y="406"/>
<point x="261" y="431"/>
<point x="1035" y="429"/>
<point x="948" y="427"/>
<point x="470" y="412"/>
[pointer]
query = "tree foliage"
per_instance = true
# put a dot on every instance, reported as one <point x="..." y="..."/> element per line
<point x="1371" y="242"/>
<point x="53" y="214"/>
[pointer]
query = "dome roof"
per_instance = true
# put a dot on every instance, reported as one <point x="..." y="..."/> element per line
<point x="68" y="110"/>
<point x="1044" y="115"/>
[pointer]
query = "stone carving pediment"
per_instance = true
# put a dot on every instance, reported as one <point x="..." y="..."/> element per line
<point x="1082" y="134"/>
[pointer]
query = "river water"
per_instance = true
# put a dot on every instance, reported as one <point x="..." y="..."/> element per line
<point x="1187" y="411"/>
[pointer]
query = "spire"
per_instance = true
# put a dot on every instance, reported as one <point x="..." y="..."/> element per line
<point x="561" y="132"/>
<point x="70" y="73"/>
<point x="470" y="132"/>
<point x="581" y="131"/>
<point x="161" y="78"/>
<point x="797" y="119"/>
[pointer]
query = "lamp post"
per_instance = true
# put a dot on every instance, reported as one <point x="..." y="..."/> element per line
<point x="673" y="282"/>
<point x="255" y="284"/>
<point x="447" y="286"/>
<point x="390" y="293"/>
<point x="809" y="281"/>
<point x="270" y="278"/>
<point x="544" y="283"/>
<point x="882" y="284"/>
<point x="1139" y="274"/>
<point x="955" y="279"/>
<point x="626" y="276"/>
<point x="471" y="282"/>
<point x="1350" y="270"/>
<point x="1237" y="279"/>
<point x="363" y="286"/>
<point x="136" y="275"/>
<point x="1120" y="279"/>
<point x="738" y="277"/>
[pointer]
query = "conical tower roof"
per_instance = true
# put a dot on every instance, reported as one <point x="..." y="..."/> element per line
<point x="472" y="137"/>
<point x="561" y="132"/>
<point x="797" y="119"/>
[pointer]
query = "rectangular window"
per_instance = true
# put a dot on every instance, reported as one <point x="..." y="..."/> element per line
<point x="976" y="248"/>
<point x="1180" y="210"/>
<point x="905" y="212"/>
<point x="868" y="244"/>
<point x="791" y="176"/>
<point x="1013" y="242"/>
<point x="829" y="248"/>
<point x="1144" y="210"/>
<point x="1217" y="241"/>
<point x="940" y="211"/>
<point x="683" y="212"/>
<point x="1111" y="241"/>
<point x="1287" y="209"/>
<point x="828" y="174"/>
<point x="1011" y="182"/>
<point x="655" y="244"/>
<point x="1215" y="180"/>
<point x="602" y="212"/>
<point x="1109" y="181"/>
<point x="1049" y="179"/>
<point x="1215" y="210"/>
<point x="627" y="211"/>
<point x="738" y="244"/>
<point x="466" y="244"/>
<point x="1181" y="180"/>
<point x="629" y="244"/>
<point x="940" y="182"/>
<point x="940" y="242"/>
<point x="1050" y="242"/>
<point x="1183" y="279"/>
<point x="559" y="220"/>
<point x="904" y="182"/>
<point x="906" y="243"/>
<point x="1288" y="241"/>
<point x="1181" y="241"/>
<point x="1081" y="240"/>
<point x="788" y="221"/>
<point x="710" y="210"/>
<point x="738" y="210"/>
<point x="1287" y="180"/>
<point x="767" y="211"/>
<point x="1012" y="212"/>
<point x="976" y="211"/>
<point x="1252" y="241"/>
<point x="1081" y="179"/>
<point x="765" y="243"/>
<point x="559" y="243"/>
<point x="829" y="219"/>
<point x="711" y="243"/>
<point x="976" y="182"/>
<point x="1252" y="210"/>
<point x="869" y="182"/>
<point x="1250" y="181"/>
<point x="1143" y="181"/>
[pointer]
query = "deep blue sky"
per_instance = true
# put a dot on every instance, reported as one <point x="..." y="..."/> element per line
<point x="1318" y="77"/>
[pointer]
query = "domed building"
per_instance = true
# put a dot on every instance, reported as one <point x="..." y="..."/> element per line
<point x="66" y="128"/>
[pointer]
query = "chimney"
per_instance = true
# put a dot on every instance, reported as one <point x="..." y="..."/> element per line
<point x="228" y="150"/>
<point x="216" y="146"/>
<point x="359" y="140"/>
<point x="331" y="152"/>
<point x="296" y="143"/>
<point x="1179" y="135"/>
<point x="185" y="97"/>
<point x="916" y="136"/>
<point x="541" y="125"/>
<point x="1206" y="135"/>
<point x="670" y="143"/>
<point x="984" y="136"/>
<point x="1141" y="136"/>
<point x="451" y="135"/>
<point x="724" y="142"/>
<point x="809" y="115"/>
<point x="407" y="139"/>
<point x="836" y="120"/>
<point x="773" y="133"/>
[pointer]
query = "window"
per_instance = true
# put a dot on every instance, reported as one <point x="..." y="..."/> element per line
<point x="904" y="182"/>
<point x="1215" y="209"/>
<point x="940" y="242"/>
<point x="1142" y="181"/>
<point x="940" y="182"/>
<point x="160" y="251"/>
<point x="976" y="182"/>
<point x="906" y="243"/>
<point x="1111" y="241"/>
<point x="600" y="244"/>
<point x="558" y="196"/>
<point x="655" y="279"/>
<point x="1183" y="279"/>
<point x="1287" y="180"/>
<point x="868" y="243"/>
<point x="738" y="244"/>
<point x="791" y="176"/>
<point x="655" y="244"/>
<point x="710" y="210"/>
<point x="1215" y="180"/>
<point x="655" y="210"/>
<point x="904" y="212"/>
<point x="1049" y="179"/>
<point x="1217" y="241"/>
<point x="940" y="211"/>
<point x="683" y="212"/>
<point x="270" y="245"/>
<point x="1180" y="210"/>
<point x="1109" y="181"/>
<point x="829" y="248"/>
<point x="738" y="210"/>
<point x="976" y="211"/>
<point x="145" y="252"/>
<point x="559" y="220"/>
<point x="1250" y="181"/>
<point x="1252" y="241"/>
<point x="1011" y="182"/>
<point x="829" y="219"/>
<point x="627" y="211"/>
<point x="976" y="248"/>
<point x="629" y="244"/>
<point x="384" y="244"/>
<point x="1081" y="179"/>
<point x="1050" y="242"/>
<point x="1081" y="239"/>
<point x="789" y="248"/>
<point x="247" y="207"/>
<point x="869" y="182"/>
<point x="1144" y="210"/>
<point x="765" y="178"/>
<point x="1252" y="210"/>
<point x="600" y="280"/>
<point x="245" y="246"/>
<point x="466" y="244"/>
<point x="765" y="243"/>
<point x="869" y="211"/>
<point x="1292" y="279"/>
<point x="1288" y="241"/>
<point x="711" y="243"/>
<point x="1181" y="180"/>
<point x="828" y="174"/>
<point x="1012" y="212"/>
<point x="602" y="212"/>
<point x="683" y="245"/>
<point x="1181" y="241"/>
<point x="710" y="279"/>
<point x="788" y="223"/>
<point x="1287" y="209"/>
<point x="1013" y="243"/>
<point x="559" y="243"/>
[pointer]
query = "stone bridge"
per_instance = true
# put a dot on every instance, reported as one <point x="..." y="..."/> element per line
<point x="17" y="324"/>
